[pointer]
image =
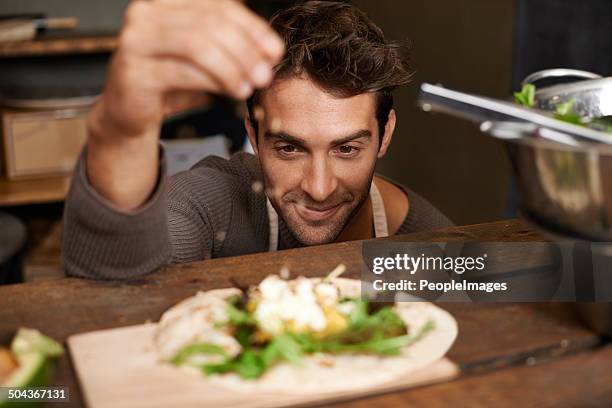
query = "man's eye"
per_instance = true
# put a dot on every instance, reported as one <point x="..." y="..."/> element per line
<point x="347" y="150"/>
<point x="287" y="149"/>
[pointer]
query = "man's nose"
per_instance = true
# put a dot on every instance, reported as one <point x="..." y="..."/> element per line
<point x="319" y="180"/>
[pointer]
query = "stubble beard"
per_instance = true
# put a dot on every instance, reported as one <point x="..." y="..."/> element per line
<point x="317" y="233"/>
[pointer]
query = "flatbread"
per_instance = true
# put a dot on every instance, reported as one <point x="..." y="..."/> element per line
<point x="324" y="373"/>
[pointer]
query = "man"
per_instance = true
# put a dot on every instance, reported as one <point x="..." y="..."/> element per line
<point x="318" y="84"/>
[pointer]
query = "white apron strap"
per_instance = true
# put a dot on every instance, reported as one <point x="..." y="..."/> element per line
<point x="381" y="228"/>
<point x="273" y="217"/>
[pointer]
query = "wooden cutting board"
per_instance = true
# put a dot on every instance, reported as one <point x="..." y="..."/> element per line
<point x="119" y="368"/>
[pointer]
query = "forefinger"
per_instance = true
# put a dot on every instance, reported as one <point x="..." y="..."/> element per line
<point x="257" y="29"/>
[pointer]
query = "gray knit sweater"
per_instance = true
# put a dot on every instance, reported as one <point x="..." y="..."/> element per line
<point x="209" y="211"/>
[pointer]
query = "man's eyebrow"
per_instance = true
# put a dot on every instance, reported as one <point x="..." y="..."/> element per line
<point x="284" y="136"/>
<point x="364" y="133"/>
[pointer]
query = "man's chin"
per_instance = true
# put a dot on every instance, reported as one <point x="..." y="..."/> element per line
<point x="314" y="238"/>
<point x="309" y="232"/>
<point x="314" y="235"/>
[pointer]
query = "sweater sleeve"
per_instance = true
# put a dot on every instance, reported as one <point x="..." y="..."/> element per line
<point x="101" y="242"/>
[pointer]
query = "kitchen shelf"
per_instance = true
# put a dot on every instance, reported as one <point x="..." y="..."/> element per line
<point x="34" y="191"/>
<point x="61" y="43"/>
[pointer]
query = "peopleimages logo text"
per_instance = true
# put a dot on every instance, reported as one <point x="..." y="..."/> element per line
<point x="412" y="264"/>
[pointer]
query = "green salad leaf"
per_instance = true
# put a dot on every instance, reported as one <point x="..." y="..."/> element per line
<point x="376" y="342"/>
<point x="564" y="111"/>
<point x="372" y="329"/>
<point x="237" y="316"/>
<point x="185" y="354"/>
<point x="253" y="362"/>
<point x="526" y="96"/>
<point x="603" y="123"/>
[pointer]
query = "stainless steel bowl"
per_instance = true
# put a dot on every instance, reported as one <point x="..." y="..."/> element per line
<point x="564" y="179"/>
<point x="567" y="185"/>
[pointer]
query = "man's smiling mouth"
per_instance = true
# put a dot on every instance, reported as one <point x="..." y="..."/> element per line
<point x="310" y="213"/>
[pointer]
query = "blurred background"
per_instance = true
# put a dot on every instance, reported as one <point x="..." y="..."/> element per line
<point x="480" y="46"/>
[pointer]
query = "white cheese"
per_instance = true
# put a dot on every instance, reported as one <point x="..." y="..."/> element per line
<point x="327" y="294"/>
<point x="298" y="304"/>
<point x="346" y="308"/>
<point x="272" y="288"/>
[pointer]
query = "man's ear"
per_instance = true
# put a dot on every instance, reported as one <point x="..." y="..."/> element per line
<point x="251" y="133"/>
<point x="389" y="129"/>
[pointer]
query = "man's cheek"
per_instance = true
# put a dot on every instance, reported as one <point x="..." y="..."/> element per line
<point x="280" y="180"/>
<point x="357" y="177"/>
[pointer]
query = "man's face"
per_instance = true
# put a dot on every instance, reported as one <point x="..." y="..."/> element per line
<point x="317" y="154"/>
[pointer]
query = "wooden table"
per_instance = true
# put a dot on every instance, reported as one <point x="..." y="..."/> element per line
<point x="509" y="354"/>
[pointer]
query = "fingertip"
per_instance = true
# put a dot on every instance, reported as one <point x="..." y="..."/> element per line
<point x="262" y="74"/>
<point x="244" y="91"/>
<point x="274" y="46"/>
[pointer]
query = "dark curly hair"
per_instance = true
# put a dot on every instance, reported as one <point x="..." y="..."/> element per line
<point x="342" y="51"/>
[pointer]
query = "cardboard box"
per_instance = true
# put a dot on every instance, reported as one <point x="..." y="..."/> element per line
<point x="42" y="143"/>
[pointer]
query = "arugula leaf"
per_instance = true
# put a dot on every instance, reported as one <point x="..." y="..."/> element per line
<point x="288" y="348"/>
<point x="227" y="366"/>
<point x="526" y="96"/>
<point x="371" y="330"/>
<point x="359" y="313"/>
<point x="565" y="108"/>
<point x="238" y="317"/>
<point x="243" y="334"/>
<point x="382" y="332"/>
<point x="603" y="123"/>
<point x="240" y="320"/>
<point x="565" y="112"/>
<point x="184" y="355"/>
<point x="271" y="353"/>
<point x="250" y="365"/>
<point x="377" y="344"/>
<point x="254" y="362"/>
<point x="364" y="326"/>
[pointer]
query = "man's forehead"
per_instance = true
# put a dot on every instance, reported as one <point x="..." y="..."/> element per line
<point x="302" y="107"/>
<point x="301" y="92"/>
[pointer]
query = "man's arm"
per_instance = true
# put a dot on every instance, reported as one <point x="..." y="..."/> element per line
<point x="168" y="51"/>
<point x="116" y="221"/>
<point x="169" y="228"/>
<point x="102" y="242"/>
